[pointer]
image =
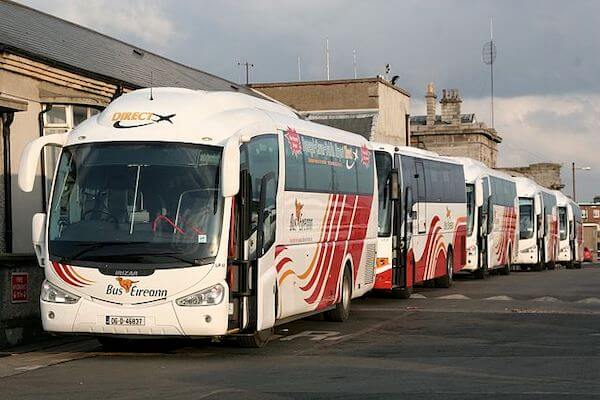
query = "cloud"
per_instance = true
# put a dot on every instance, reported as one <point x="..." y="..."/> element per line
<point x="146" y="22"/>
<point x="551" y="128"/>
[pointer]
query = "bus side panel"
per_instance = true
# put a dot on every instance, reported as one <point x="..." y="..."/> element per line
<point x="309" y="274"/>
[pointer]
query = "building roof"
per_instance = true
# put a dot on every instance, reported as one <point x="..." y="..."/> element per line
<point x="331" y="82"/>
<point x="49" y="39"/>
<point x="362" y="126"/>
<point x="422" y="119"/>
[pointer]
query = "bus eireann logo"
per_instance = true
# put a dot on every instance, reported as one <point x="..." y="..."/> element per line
<point x="293" y="139"/>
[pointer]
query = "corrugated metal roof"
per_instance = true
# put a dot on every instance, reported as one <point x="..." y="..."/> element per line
<point x="359" y="125"/>
<point x="26" y="31"/>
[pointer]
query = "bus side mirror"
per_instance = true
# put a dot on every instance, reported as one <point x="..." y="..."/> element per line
<point x="478" y="194"/>
<point x="230" y="168"/>
<point x="38" y="236"/>
<point x="30" y="158"/>
<point x="394" y="193"/>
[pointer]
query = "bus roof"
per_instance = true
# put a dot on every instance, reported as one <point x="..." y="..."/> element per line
<point x="526" y="187"/>
<point x="475" y="169"/>
<point x="194" y="116"/>
<point x="412" y="151"/>
<point x="561" y="199"/>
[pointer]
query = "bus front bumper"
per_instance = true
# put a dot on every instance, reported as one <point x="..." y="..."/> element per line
<point x="164" y="319"/>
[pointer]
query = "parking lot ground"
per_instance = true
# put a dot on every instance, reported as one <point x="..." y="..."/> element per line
<point x="524" y="336"/>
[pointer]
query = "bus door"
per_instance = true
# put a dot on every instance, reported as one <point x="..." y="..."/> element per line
<point x="420" y="197"/>
<point x="483" y="225"/>
<point x="402" y="227"/>
<point x="253" y="236"/>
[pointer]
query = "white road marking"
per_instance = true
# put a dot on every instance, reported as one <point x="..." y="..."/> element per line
<point x="547" y="299"/>
<point x="499" y="298"/>
<point x="454" y="297"/>
<point x="417" y="296"/>
<point x="590" y="300"/>
<point x="312" y="335"/>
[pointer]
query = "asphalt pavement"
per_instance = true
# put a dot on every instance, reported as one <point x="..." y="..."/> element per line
<point x="529" y="335"/>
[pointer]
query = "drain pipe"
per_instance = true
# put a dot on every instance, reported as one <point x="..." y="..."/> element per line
<point x="43" y="170"/>
<point x="7" y="119"/>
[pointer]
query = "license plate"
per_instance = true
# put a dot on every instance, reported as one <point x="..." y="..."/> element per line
<point x="123" y="320"/>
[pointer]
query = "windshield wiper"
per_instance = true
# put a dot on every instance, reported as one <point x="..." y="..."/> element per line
<point x="95" y="246"/>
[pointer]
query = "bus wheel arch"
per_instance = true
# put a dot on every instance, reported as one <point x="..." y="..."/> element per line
<point x="446" y="280"/>
<point x="341" y="311"/>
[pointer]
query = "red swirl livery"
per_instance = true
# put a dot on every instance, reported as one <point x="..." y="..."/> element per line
<point x="492" y="215"/>
<point x="422" y="219"/>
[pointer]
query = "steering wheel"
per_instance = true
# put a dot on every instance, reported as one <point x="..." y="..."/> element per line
<point x="100" y="211"/>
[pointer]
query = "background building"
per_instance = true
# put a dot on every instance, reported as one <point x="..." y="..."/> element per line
<point x="544" y="174"/>
<point x="371" y="107"/>
<point x="453" y="133"/>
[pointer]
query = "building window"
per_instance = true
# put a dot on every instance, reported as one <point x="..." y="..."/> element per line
<point x="61" y="119"/>
<point x="584" y="214"/>
<point x="596" y="213"/>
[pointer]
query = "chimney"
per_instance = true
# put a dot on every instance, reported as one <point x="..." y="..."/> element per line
<point x="430" y="100"/>
<point x="451" y="106"/>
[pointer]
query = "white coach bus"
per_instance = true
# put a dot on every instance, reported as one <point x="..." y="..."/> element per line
<point x="491" y="218"/>
<point x="202" y="214"/>
<point x="576" y="235"/>
<point x="422" y="218"/>
<point x="538" y="226"/>
<point x="570" y="232"/>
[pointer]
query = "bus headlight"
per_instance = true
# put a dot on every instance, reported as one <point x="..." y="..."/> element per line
<point x="52" y="294"/>
<point x="206" y="297"/>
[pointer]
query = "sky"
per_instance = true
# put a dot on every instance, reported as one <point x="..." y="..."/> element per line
<point x="546" y="75"/>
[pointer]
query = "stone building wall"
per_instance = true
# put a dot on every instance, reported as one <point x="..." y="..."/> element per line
<point x="544" y="174"/>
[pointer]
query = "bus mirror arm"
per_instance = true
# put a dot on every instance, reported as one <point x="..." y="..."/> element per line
<point x="30" y="158"/>
<point x="230" y="168"/>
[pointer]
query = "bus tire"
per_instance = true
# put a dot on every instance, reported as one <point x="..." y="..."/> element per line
<point x="508" y="265"/>
<point x="578" y="265"/>
<point x="255" y="340"/>
<point x="446" y="280"/>
<point x="401" y="293"/>
<point x="551" y="265"/>
<point x="569" y="265"/>
<point x="481" y="272"/>
<point x="341" y="312"/>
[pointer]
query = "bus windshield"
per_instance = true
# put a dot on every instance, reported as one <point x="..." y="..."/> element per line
<point x="562" y="222"/>
<point x="525" y="218"/>
<point x="154" y="205"/>
<point x="470" y="208"/>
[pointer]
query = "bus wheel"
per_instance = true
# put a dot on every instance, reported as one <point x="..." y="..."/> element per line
<point x="342" y="309"/>
<point x="446" y="280"/>
<point x="402" y="293"/>
<point x="570" y="265"/>
<point x="255" y="340"/>
<point x="551" y="265"/>
<point x="508" y="266"/>
<point x="578" y="265"/>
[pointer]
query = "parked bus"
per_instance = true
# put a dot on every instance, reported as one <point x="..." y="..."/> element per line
<point x="202" y="214"/>
<point x="576" y="236"/>
<point x="565" y="227"/>
<point x="422" y="218"/>
<point x="492" y="218"/>
<point x="538" y="226"/>
<point x="570" y="232"/>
